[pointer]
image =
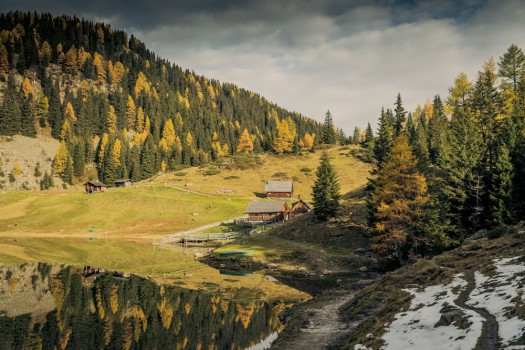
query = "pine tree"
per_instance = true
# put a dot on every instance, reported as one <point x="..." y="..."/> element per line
<point x="398" y="204"/>
<point x="79" y="160"/>
<point x="512" y="65"/>
<point x="325" y="190"/>
<point x="400" y="117"/>
<point x="438" y="133"/>
<point x="4" y="63"/>
<point x="27" y="125"/>
<point x="328" y="136"/>
<point x="385" y="136"/>
<point x="500" y="192"/>
<point x="10" y="111"/>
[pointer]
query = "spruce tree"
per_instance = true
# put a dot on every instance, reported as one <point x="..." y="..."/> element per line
<point x="400" y="117"/>
<point x="328" y="136"/>
<point x="500" y="192"/>
<point x="326" y="190"/>
<point x="512" y="66"/>
<point x="385" y="136"/>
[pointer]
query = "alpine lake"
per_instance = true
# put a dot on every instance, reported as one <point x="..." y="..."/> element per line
<point x="45" y="306"/>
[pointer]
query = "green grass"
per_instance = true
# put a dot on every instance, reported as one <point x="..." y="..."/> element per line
<point x="137" y="210"/>
<point x="99" y="252"/>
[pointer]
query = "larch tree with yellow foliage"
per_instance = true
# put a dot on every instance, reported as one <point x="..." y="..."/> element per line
<point x="131" y="113"/>
<point x="111" y="121"/>
<point x="245" y="143"/>
<point x="283" y="141"/>
<point x="399" y="204"/>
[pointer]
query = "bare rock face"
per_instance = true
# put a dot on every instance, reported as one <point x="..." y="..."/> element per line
<point x="25" y="290"/>
<point x="19" y="155"/>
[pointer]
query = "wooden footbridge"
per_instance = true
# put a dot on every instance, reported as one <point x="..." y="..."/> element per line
<point x="182" y="241"/>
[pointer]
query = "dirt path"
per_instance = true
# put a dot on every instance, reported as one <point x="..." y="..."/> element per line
<point x="323" y="325"/>
<point x="489" y="338"/>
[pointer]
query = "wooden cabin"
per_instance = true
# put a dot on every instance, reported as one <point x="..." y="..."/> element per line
<point x="267" y="211"/>
<point x="279" y="189"/>
<point x="123" y="183"/>
<point x="95" y="186"/>
<point x="299" y="208"/>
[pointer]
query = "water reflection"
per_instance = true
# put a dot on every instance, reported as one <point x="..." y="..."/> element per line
<point x="55" y="307"/>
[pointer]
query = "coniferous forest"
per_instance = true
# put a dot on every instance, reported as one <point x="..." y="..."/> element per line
<point x="113" y="103"/>
<point x="454" y="166"/>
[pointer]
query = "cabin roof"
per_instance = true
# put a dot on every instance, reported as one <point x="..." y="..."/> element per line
<point x="278" y="186"/>
<point x="264" y="207"/>
<point x="122" y="180"/>
<point x="96" y="184"/>
<point x="301" y="201"/>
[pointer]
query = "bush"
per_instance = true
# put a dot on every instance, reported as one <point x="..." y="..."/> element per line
<point x="280" y="175"/>
<point x="210" y="172"/>
<point x="181" y="173"/>
<point x="306" y="170"/>
<point x="232" y="177"/>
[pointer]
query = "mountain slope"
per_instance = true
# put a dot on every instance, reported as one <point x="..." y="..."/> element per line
<point x="470" y="297"/>
<point x="114" y="102"/>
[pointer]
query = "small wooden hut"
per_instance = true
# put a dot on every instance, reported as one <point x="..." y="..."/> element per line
<point x="279" y="189"/>
<point x="267" y="211"/>
<point x="95" y="186"/>
<point x="299" y="208"/>
<point x="123" y="183"/>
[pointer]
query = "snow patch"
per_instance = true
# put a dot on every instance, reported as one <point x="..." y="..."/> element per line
<point x="499" y="294"/>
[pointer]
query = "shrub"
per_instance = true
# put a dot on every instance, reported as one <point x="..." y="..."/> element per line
<point x="210" y="172"/>
<point x="306" y="170"/>
<point x="232" y="177"/>
<point x="181" y="173"/>
<point x="280" y="175"/>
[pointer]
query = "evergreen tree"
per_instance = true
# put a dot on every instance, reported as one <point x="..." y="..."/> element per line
<point x="500" y="192"/>
<point x="385" y="136"/>
<point x="27" y="120"/>
<point x="512" y="65"/>
<point x="325" y="190"/>
<point x="328" y="136"/>
<point x="10" y="111"/>
<point x="400" y="117"/>
<point x="438" y="133"/>
<point x="147" y="158"/>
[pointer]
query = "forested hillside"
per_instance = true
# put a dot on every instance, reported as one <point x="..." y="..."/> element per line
<point x="454" y="166"/>
<point x="112" y="102"/>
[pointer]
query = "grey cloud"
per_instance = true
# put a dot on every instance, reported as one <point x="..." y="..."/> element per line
<point x="351" y="57"/>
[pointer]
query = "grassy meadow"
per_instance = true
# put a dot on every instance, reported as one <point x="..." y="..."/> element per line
<point x="116" y="229"/>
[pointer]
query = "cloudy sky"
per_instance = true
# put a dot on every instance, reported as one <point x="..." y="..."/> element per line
<point x="348" y="56"/>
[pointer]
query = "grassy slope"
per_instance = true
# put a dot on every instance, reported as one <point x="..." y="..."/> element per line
<point x="115" y="229"/>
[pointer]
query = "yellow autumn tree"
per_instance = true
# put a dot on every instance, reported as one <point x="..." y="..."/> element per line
<point x="61" y="159"/>
<point x="189" y="139"/>
<point x="216" y="146"/>
<point x="81" y="57"/>
<point x="283" y="141"/>
<point x="140" y="120"/>
<point x="102" y="149"/>
<point x="307" y="141"/>
<point x="69" y="113"/>
<point x="118" y="73"/>
<point x="141" y="84"/>
<point x="100" y="67"/>
<point x="131" y="113"/>
<point x="70" y="63"/>
<point x="399" y="200"/>
<point x="168" y="137"/>
<point x="116" y="151"/>
<point x="27" y="89"/>
<point x="245" y="143"/>
<point x="111" y="121"/>
<point x="65" y="132"/>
